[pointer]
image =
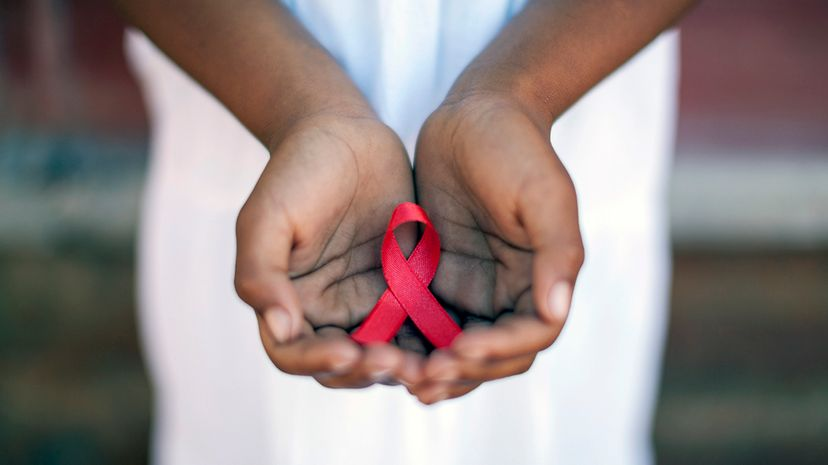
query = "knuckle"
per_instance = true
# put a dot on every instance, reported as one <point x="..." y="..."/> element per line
<point x="284" y="369"/>
<point x="329" y="382"/>
<point x="246" y="286"/>
<point x="573" y="255"/>
<point x="545" y="333"/>
<point x="556" y="324"/>
<point x="550" y="334"/>
<point x="245" y="218"/>
<point x="547" y="182"/>
<point x="280" y="364"/>
<point x="524" y="367"/>
<point x="324" y="382"/>
<point x="471" y="372"/>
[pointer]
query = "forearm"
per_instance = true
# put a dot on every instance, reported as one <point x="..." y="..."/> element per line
<point x="556" y="50"/>
<point x="252" y="55"/>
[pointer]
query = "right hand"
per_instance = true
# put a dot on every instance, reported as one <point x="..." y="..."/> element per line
<point x="308" y="247"/>
<point x="507" y="215"/>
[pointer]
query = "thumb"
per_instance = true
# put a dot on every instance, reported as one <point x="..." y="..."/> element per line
<point x="264" y="239"/>
<point x="554" y="272"/>
<point x="550" y="216"/>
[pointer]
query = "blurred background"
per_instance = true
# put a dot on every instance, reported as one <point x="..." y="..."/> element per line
<point x="746" y="363"/>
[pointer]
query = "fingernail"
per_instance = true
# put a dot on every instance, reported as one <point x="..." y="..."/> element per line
<point x="560" y="297"/>
<point x="380" y="374"/>
<point x="472" y="352"/>
<point x="342" y="365"/>
<point x="446" y="374"/>
<point x="443" y="395"/>
<point x="278" y="320"/>
<point x="446" y="371"/>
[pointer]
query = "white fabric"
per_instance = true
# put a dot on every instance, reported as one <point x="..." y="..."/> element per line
<point x="588" y="399"/>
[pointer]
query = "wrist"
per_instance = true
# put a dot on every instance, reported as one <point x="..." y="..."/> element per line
<point x="519" y="90"/>
<point x="316" y="109"/>
<point x="467" y="102"/>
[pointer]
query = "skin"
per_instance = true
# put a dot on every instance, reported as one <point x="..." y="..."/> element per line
<point x="308" y="257"/>
<point x="521" y="238"/>
<point x="500" y="198"/>
<point x="308" y="236"/>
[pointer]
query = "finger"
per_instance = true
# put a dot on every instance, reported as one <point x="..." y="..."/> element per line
<point x="448" y="367"/>
<point x="479" y="371"/>
<point x="473" y="321"/>
<point x="437" y="392"/>
<point x="511" y="336"/>
<point x="310" y="354"/>
<point x="411" y="371"/>
<point x="264" y="240"/>
<point x="340" y="378"/>
<point x="548" y="209"/>
<point x="379" y="363"/>
<point x="441" y="366"/>
<point x="462" y="389"/>
<point x="410" y="339"/>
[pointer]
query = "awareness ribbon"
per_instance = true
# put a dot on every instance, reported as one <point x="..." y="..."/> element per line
<point x="407" y="294"/>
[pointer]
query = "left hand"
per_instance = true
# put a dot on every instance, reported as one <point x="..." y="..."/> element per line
<point x="506" y="212"/>
<point x="308" y="241"/>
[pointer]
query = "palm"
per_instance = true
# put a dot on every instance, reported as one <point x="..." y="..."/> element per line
<point x="337" y="184"/>
<point x="471" y="172"/>
<point x="481" y="274"/>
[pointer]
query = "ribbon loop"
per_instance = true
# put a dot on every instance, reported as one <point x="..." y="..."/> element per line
<point x="408" y="279"/>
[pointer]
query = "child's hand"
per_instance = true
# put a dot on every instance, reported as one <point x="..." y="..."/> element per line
<point x="308" y="258"/>
<point x="506" y="212"/>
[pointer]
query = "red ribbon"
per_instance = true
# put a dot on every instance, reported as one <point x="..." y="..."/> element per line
<point x="408" y="280"/>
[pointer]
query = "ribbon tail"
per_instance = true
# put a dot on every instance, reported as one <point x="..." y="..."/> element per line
<point x="383" y="322"/>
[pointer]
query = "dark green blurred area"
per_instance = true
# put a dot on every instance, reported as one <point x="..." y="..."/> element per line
<point x="745" y="377"/>
<point x="73" y="390"/>
<point x="72" y="386"/>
